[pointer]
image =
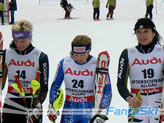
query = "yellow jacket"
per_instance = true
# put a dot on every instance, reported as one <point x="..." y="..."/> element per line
<point x="96" y="3"/>
<point x="1" y="7"/>
<point x="149" y="2"/>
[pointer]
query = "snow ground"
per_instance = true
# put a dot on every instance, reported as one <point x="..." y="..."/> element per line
<point x="54" y="36"/>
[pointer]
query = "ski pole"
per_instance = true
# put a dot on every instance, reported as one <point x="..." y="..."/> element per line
<point x="17" y="86"/>
<point x="59" y="101"/>
<point x="35" y="86"/>
<point x="134" y="110"/>
<point x="57" y="104"/>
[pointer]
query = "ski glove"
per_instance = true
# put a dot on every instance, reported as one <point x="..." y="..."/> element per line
<point x="35" y="112"/>
<point x="52" y="114"/>
<point x="98" y="118"/>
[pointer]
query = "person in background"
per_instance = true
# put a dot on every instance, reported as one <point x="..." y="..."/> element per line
<point x="149" y="8"/>
<point x="23" y="59"/>
<point x="75" y="71"/>
<point x="144" y="65"/>
<point x="67" y="7"/>
<point x="2" y="11"/>
<point x="111" y="4"/>
<point x="12" y="8"/>
<point x="96" y="10"/>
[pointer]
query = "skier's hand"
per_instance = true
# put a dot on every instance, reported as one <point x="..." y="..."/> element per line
<point x="52" y="114"/>
<point x="134" y="102"/>
<point x="98" y="118"/>
<point x="35" y="112"/>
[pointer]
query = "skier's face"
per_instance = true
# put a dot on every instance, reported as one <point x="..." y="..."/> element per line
<point x="145" y="36"/>
<point x="81" y="58"/>
<point x="22" y="44"/>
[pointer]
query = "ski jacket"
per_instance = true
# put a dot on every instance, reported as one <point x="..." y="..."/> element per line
<point x="144" y="67"/>
<point x="13" y="5"/>
<point x="149" y="2"/>
<point x="111" y="2"/>
<point x="79" y="82"/>
<point x="63" y="3"/>
<point x="1" y="7"/>
<point x="96" y="3"/>
<point x="25" y="63"/>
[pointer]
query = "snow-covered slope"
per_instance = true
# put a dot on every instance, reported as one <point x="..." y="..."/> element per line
<point x="53" y="35"/>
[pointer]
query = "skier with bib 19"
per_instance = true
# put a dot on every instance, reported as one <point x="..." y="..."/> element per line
<point x="78" y="72"/>
<point x="144" y="64"/>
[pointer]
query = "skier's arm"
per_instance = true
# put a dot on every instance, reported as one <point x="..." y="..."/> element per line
<point x="123" y="72"/>
<point x="107" y="97"/>
<point x="52" y="113"/>
<point x="44" y="76"/>
<point x="58" y="80"/>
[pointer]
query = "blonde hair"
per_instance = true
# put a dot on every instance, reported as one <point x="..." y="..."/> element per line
<point x="81" y="40"/>
<point x="22" y="25"/>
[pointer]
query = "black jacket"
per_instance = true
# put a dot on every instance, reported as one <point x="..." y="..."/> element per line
<point x="13" y="5"/>
<point x="63" y="3"/>
<point x="1" y="1"/>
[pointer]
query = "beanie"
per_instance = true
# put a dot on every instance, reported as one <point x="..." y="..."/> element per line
<point x="144" y="23"/>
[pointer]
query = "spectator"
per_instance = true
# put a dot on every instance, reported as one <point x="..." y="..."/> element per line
<point x="13" y="8"/>
<point x="67" y="7"/>
<point x="1" y="11"/>
<point x="111" y="4"/>
<point x="149" y="8"/>
<point x="96" y="10"/>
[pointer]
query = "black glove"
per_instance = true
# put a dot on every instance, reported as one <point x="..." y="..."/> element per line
<point x="36" y="112"/>
<point x="99" y="118"/>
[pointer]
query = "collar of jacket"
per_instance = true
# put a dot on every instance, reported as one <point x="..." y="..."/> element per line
<point x="146" y="48"/>
<point x="26" y="51"/>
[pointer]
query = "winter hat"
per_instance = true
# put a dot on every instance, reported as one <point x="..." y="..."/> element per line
<point x="144" y="23"/>
<point x="81" y="44"/>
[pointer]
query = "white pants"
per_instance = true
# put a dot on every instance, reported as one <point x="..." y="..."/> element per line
<point x="149" y="110"/>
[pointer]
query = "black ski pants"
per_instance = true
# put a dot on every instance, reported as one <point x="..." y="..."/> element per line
<point x="2" y="17"/>
<point x="96" y="13"/>
<point x="110" y="11"/>
<point x="149" y="12"/>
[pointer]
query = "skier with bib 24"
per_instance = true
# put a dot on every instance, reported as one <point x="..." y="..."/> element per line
<point x="78" y="72"/>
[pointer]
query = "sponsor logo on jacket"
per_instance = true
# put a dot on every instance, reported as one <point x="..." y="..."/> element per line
<point x="86" y="72"/>
<point x="27" y="63"/>
<point x="154" y="60"/>
<point x="45" y="71"/>
<point x="121" y="67"/>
